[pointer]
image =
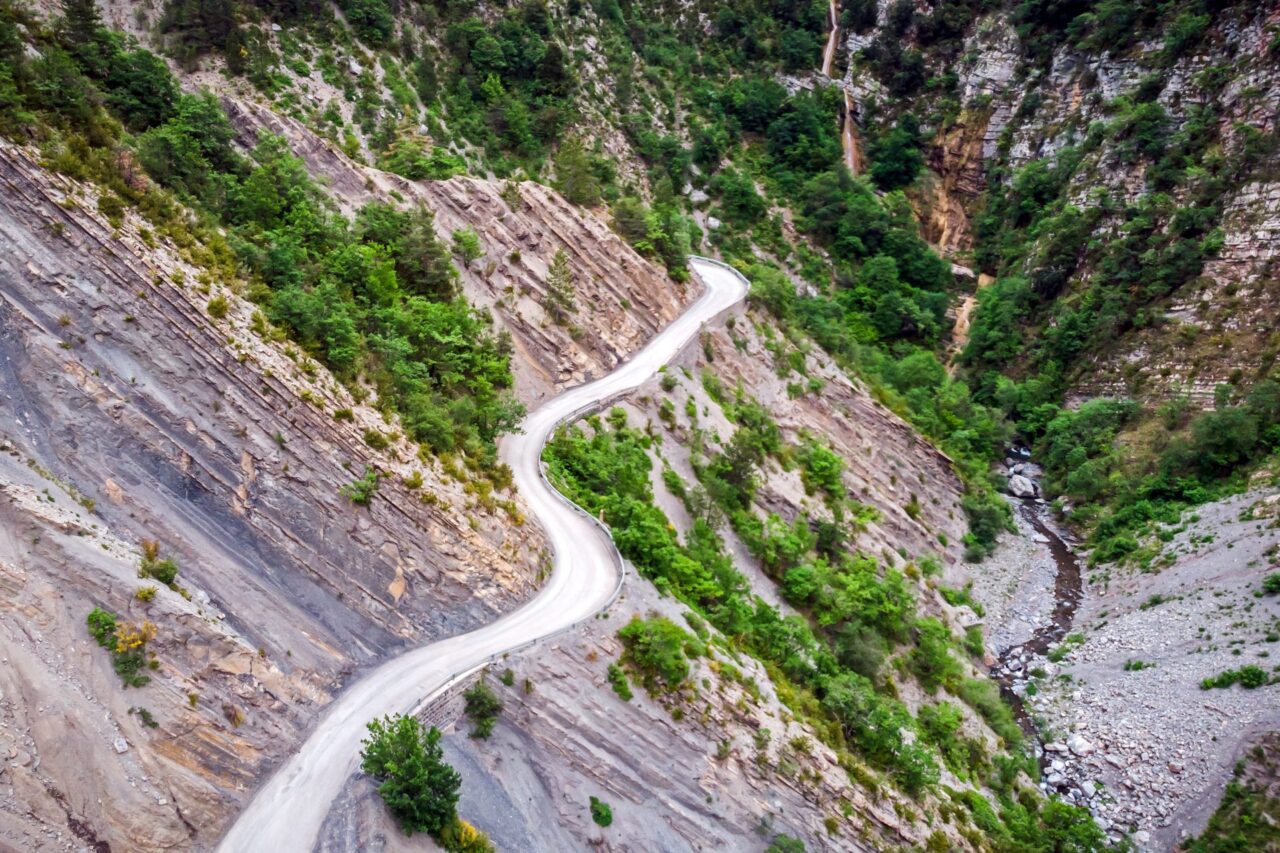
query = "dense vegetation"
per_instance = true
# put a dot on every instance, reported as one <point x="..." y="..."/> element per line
<point x="1072" y="279"/>
<point x="831" y="665"/>
<point x="374" y="299"/>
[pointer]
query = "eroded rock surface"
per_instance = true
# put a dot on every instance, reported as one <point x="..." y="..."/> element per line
<point x="222" y="446"/>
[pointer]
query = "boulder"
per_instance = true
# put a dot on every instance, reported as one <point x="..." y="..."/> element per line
<point x="1021" y="487"/>
<point x="1079" y="746"/>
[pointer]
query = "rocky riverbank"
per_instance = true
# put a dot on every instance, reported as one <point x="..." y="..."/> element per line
<point x="1128" y="730"/>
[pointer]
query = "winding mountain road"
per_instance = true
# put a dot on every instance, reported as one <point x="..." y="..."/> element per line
<point x="287" y="812"/>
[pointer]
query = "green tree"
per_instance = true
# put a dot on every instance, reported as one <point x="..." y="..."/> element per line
<point x="575" y="177"/>
<point x="371" y="19"/>
<point x="422" y="263"/>
<point x="657" y="649"/>
<point x="141" y="90"/>
<point x="896" y="157"/>
<point x="466" y="245"/>
<point x="81" y="32"/>
<point x="419" y="788"/>
<point x="560" y="296"/>
<point x="740" y="203"/>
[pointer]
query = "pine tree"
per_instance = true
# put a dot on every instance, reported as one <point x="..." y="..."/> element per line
<point x="85" y="39"/>
<point x="560" y="295"/>
<point x="80" y="22"/>
<point x="574" y="177"/>
<point x="466" y="245"/>
<point x="423" y="264"/>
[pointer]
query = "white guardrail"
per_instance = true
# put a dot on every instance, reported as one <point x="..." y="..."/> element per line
<point x="620" y="562"/>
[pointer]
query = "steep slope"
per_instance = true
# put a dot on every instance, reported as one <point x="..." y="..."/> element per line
<point x="1108" y="168"/>
<point x="735" y="758"/>
<point x="221" y="444"/>
<point x="217" y="445"/>
<point x="623" y="299"/>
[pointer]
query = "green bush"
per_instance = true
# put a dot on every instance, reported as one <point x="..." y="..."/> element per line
<point x="371" y="19"/>
<point x="152" y="566"/>
<point x="659" y="650"/>
<point x="931" y="660"/>
<point x="458" y="836"/>
<point x="1248" y="677"/>
<point x="483" y="707"/>
<point x="896" y="157"/>
<point x="618" y="680"/>
<point x="102" y="627"/>
<point x="360" y="492"/>
<point x="601" y="812"/>
<point x="984" y="697"/>
<point x="127" y="643"/>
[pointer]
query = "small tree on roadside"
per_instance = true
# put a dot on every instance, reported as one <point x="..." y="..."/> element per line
<point x="560" y="295"/>
<point x="419" y="788"/>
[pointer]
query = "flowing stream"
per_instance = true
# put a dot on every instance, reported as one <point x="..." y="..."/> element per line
<point x="1067" y="587"/>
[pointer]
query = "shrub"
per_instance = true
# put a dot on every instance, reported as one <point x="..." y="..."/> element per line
<point x="151" y="566"/>
<point x="984" y="697"/>
<point x="657" y="649"/>
<point x="110" y="206"/>
<point x="1271" y="584"/>
<point x="218" y="307"/>
<point x="102" y="627"/>
<point x="145" y="593"/>
<point x="1248" y="677"/>
<point x="360" y="492"/>
<point x="618" y="679"/>
<point x="483" y="706"/>
<point x="785" y="844"/>
<point x="371" y="19"/>
<point x="458" y="836"/>
<point x="601" y="812"/>
<point x="820" y="469"/>
<point x="376" y="440"/>
<point x="931" y="660"/>
<point x="127" y="642"/>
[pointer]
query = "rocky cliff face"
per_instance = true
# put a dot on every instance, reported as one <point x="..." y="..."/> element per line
<point x="221" y="446"/>
<point x="1013" y="112"/>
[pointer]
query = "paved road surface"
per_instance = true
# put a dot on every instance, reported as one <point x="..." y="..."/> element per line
<point x="286" y="814"/>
